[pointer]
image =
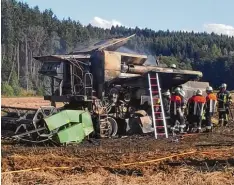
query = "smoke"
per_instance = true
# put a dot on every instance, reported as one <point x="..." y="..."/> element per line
<point x="124" y="49"/>
<point x="86" y="44"/>
<point x="151" y="61"/>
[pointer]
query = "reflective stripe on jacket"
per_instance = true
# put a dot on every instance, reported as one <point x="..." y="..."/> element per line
<point x="211" y="101"/>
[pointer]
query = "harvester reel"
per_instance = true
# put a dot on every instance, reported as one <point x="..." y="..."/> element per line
<point x="37" y="131"/>
<point x="43" y="112"/>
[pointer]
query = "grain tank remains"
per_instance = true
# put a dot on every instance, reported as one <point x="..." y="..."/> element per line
<point x="103" y="90"/>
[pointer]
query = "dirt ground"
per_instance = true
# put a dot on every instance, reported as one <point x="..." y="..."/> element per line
<point x="192" y="159"/>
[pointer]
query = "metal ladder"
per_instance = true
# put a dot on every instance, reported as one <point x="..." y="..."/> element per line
<point x="158" y="114"/>
<point x="88" y="86"/>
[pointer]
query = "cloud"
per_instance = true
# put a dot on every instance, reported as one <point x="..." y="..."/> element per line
<point x="219" y="29"/>
<point x="102" y="23"/>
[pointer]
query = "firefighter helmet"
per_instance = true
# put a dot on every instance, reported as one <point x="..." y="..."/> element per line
<point x="224" y="86"/>
<point x="209" y="89"/>
<point x="177" y="90"/>
<point x="199" y="92"/>
<point x="167" y="93"/>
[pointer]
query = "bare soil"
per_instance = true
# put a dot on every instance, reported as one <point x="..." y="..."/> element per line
<point x="115" y="161"/>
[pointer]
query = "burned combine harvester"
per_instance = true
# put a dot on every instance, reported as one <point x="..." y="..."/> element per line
<point x="104" y="91"/>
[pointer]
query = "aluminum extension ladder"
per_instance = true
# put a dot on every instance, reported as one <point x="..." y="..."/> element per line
<point x="158" y="114"/>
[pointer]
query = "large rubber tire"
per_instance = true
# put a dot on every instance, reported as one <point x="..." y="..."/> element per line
<point x="114" y="125"/>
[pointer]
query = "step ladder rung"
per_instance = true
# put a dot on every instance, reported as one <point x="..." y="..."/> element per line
<point x="157" y="105"/>
<point x="154" y="85"/>
<point x="154" y="91"/>
<point x="153" y="78"/>
<point x="159" y="126"/>
<point x="157" y="112"/>
<point x="159" y="119"/>
<point x="161" y="134"/>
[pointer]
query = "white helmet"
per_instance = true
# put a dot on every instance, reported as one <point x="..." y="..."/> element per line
<point x="224" y="86"/>
<point x="177" y="90"/>
<point x="167" y="93"/>
<point x="209" y="89"/>
<point x="173" y="66"/>
<point x="199" y="92"/>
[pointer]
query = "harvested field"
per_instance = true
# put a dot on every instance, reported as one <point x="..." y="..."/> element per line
<point x="28" y="102"/>
<point x="191" y="159"/>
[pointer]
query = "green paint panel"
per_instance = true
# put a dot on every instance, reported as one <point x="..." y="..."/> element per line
<point x="74" y="133"/>
<point x="73" y="125"/>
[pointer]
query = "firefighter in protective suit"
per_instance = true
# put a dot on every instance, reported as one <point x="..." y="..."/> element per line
<point x="166" y="98"/>
<point x="224" y="101"/>
<point x="211" y="101"/>
<point x="190" y="105"/>
<point x="176" y="108"/>
<point x="198" y="109"/>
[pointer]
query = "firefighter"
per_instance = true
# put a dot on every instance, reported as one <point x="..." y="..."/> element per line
<point x="198" y="109"/>
<point x="166" y="96"/>
<point x="224" y="101"/>
<point x="190" y="105"/>
<point x="176" y="106"/>
<point x="211" y="101"/>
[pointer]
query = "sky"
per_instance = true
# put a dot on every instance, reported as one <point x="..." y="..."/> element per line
<point x="186" y="15"/>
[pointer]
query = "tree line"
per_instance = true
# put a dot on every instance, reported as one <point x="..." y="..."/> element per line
<point x="28" y="32"/>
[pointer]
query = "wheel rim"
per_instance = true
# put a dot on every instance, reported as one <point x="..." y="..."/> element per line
<point x="108" y="128"/>
<point x="114" y="126"/>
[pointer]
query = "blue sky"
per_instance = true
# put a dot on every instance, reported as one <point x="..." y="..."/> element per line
<point x="197" y="15"/>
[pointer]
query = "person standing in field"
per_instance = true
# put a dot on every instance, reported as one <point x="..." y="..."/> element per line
<point x="211" y="101"/>
<point x="198" y="109"/>
<point x="176" y="106"/>
<point x="224" y="101"/>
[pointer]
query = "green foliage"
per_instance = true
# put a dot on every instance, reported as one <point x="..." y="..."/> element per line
<point x="169" y="60"/>
<point x="7" y="90"/>
<point x="40" y="91"/>
<point x="29" y="93"/>
<point x="14" y="83"/>
<point x="215" y="51"/>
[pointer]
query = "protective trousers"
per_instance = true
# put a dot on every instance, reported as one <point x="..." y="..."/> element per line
<point x="178" y="117"/>
<point x="223" y="117"/>
<point x="197" y="121"/>
<point x="208" y="120"/>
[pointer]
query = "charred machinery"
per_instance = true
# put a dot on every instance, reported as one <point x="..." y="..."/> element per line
<point x="103" y="90"/>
